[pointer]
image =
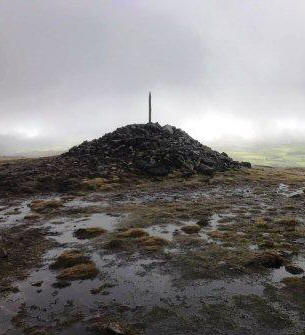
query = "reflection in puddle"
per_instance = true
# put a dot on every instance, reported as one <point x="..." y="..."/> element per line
<point x="283" y="189"/>
<point x="64" y="228"/>
<point x="168" y="231"/>
<point x="14" y="214"/>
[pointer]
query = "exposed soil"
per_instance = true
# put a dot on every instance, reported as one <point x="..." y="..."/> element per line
<point x="197" y="255"/>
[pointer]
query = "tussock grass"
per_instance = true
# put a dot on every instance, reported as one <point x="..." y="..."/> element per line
<point x="80" y="271"/>
<point x="69" y="258"/>
<point x="88" y="233"/>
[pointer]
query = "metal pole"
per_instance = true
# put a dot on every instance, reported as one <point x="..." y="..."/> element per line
<point x="149" y="103"/>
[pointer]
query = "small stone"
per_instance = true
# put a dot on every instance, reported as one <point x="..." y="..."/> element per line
<point x="169" y="129"/>
<point x="37" y="284"/>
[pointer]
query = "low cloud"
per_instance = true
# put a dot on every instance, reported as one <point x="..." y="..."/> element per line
<point x="223" y="71"/>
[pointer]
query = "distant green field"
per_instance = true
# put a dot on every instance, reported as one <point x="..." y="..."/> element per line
<point x="285" y="156"/>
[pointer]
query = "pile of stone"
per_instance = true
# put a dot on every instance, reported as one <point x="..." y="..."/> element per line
<point x="133" y="150"/>
<point x="153" y="150"/>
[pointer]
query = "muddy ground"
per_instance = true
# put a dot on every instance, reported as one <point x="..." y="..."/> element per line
<point x="198" y="255"/>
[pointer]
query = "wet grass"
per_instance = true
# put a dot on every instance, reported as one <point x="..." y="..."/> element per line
<point x="88" y="233"/>
<point x="44" y="206"/>
<point x="24" y="246"/>
<point x="79" y="272"/>
<point x="69" y="258"/>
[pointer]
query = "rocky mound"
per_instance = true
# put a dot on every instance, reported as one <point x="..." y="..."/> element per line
<point x="153" y="150"/>
<point x="138" y="149"/>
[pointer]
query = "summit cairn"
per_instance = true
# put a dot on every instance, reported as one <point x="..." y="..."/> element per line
<point x="152" y="150"/>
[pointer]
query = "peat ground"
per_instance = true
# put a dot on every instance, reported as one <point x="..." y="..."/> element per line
<point x="222" y="254"/>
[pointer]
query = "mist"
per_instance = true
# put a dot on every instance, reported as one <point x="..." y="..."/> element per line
<point x="229" y="73"/>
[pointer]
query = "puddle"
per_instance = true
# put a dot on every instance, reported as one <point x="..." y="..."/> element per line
<point x="283" y="189"/>
<point x="168" y="231"/>
<point x="253" y="247"/>
<point x="14" y="214"/>
<point x="63" y="228"/>
<point x="279" y="274"/>
<point x="78" y="203"/>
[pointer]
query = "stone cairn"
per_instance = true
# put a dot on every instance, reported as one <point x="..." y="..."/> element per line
<point x="152" y="150"/>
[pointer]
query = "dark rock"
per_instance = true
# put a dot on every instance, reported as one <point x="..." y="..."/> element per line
<point x="246" y="165"/>
<point x="294" y="269"/>
<point x="204" y="169"/>
<point x="38" y="283"/>
<point x="3" y="253"/>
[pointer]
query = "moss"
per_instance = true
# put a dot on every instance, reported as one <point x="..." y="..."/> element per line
<point x="69" y="258"/>
<point x="191" y="229"/>
<point x="87" y="233"/>
<point x="80" y="271"/>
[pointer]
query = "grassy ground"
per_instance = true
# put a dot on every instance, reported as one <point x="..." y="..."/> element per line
<point x="282" y="156"/>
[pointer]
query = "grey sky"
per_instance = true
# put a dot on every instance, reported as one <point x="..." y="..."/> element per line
<point x="222" y="70"/>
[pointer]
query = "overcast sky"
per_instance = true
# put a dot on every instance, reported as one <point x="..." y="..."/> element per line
<point x="224" y="70"/>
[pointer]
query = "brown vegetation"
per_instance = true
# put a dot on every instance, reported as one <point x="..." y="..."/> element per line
<point x="87" y="233"/>
<point x="80" y="271"/>
<point x="69" y="258"/>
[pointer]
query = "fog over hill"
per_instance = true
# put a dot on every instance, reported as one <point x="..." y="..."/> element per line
<point x="228" y="73"/>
